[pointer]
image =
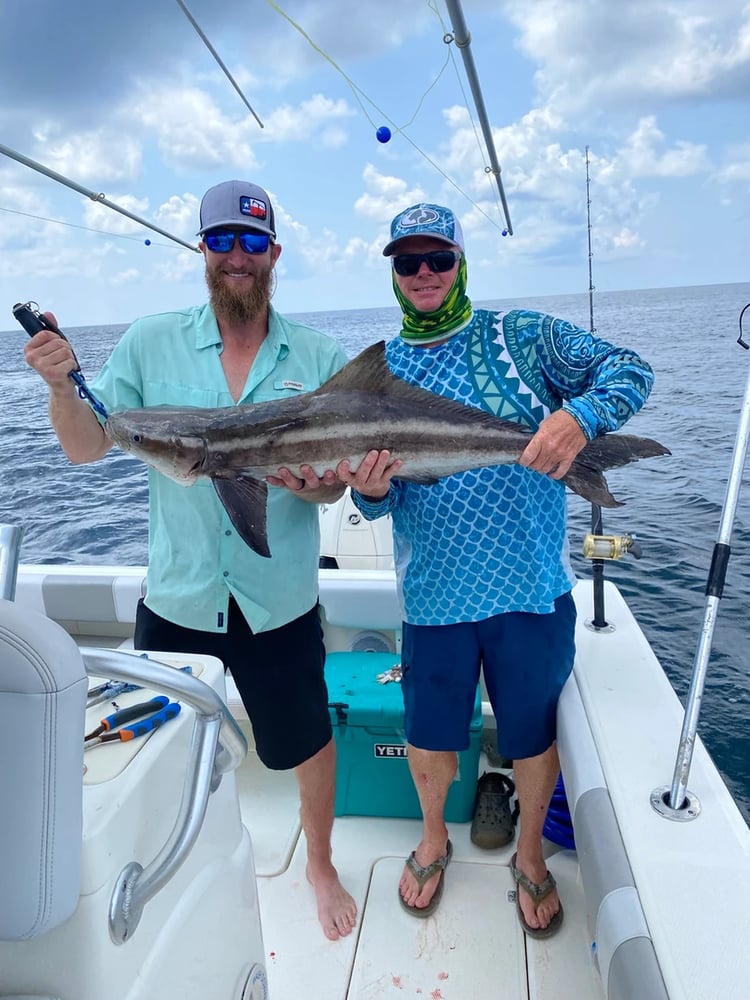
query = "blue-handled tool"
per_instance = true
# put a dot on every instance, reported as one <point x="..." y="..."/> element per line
<point x="146" y="717"/>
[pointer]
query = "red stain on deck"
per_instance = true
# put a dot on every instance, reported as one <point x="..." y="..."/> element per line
<point x="436" y="995"/>
<point x="396" y="981"/>
<point x="442" y="975"/>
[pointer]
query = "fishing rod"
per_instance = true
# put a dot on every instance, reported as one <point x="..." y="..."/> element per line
<point x="591" y="252"/>
<point x="597" y="546"/>
<point x="462" y="38"/>
<point x="674" y="801"/>
<point x="32" y="320"/>
<point x="93" y="195"/>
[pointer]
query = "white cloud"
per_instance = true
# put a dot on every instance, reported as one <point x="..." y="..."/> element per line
<point x="643" y="155"/>
<point x="600" y="54"/>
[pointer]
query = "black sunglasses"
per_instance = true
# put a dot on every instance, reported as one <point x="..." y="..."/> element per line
<point x="222" y="241"/>
<point x="438" y="261"/>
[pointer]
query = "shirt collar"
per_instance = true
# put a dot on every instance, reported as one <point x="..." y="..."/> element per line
<point x="207" y="333"/>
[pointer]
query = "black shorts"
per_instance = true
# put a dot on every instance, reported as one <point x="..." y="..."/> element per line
<point x="279" y="675"/>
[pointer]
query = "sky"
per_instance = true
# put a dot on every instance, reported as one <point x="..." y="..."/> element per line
<point x="127" y="100"/>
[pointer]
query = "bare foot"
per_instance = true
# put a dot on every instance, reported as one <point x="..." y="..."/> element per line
<point x="337" y="910"/>
<point x="411" y="893"/>
<point x="537" y="915"/>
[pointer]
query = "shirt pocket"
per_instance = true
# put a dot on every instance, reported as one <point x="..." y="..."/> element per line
<point x="157" y="393"/>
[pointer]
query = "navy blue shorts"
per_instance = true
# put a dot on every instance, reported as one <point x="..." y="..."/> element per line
<point x="279" y="675"/>
<point x="526" y="659"/>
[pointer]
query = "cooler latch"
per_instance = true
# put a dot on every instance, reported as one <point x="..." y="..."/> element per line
<point x="340" y="707"/>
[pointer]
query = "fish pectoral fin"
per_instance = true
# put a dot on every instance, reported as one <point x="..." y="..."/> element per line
<point x="589" y="483"/>
<point x="244" y="499"/>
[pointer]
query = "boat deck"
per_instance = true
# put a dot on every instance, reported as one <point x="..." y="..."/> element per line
<point x="472" y="946"/>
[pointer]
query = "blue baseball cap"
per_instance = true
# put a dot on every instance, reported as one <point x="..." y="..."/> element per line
<point x="237" y="204"/>
<point x="425" y="220"/>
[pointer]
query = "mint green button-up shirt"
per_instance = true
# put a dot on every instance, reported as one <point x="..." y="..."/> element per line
<point x="196" y="558"/>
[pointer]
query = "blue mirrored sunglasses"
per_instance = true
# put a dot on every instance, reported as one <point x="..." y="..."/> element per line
<point x="222" y="241"/>
<point x="438" y="261"/>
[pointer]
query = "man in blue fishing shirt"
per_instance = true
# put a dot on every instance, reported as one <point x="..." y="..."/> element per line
<point x="482" y="556"/>
<point x="207" y="591"/>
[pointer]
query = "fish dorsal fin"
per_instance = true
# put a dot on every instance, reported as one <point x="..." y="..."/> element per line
<point x="368" y="372"/>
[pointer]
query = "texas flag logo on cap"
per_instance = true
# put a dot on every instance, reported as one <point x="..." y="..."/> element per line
<point x="253" y="207"/>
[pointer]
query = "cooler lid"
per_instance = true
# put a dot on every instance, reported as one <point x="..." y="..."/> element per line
<point x="356" y="695"/>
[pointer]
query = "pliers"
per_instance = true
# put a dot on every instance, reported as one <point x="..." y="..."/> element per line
<point x="152" y="714"/>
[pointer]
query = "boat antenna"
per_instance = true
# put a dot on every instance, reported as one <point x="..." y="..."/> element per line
<point x="462" y="38"/>
<point x="93" y="195"/>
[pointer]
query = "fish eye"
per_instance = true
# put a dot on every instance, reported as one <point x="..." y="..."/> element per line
<point x="137" y="438"/>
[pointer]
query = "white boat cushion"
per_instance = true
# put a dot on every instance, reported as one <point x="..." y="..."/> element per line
<point x="43" y="688"/>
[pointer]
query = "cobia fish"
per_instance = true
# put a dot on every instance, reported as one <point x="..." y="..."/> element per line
<point x="363" y="407"/>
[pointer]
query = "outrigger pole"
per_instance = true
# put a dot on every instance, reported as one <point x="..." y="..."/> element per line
<point x="93" y="195"/>
<point x="462" y="39"/>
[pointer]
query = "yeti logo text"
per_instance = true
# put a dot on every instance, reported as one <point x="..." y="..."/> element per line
<point x="389" y="750"/>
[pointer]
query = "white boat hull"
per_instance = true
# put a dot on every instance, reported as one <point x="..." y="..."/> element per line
<point x="642" y="896"/>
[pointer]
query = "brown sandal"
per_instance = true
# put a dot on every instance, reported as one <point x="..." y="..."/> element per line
<point x="537" y="893"/>
<point x="423" y="875"/>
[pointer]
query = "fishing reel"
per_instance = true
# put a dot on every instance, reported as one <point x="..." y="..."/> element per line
<point x="610" y="546"/>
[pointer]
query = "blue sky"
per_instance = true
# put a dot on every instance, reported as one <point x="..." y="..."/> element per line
<point x="127" y="100"/>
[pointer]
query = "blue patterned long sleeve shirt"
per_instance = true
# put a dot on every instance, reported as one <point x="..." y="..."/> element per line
<point x="494" y="540"/>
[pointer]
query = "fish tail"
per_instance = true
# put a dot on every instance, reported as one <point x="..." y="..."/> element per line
<point x="610" y="451"/>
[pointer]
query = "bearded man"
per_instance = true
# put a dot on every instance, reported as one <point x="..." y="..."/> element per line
<point x="208" y="592"/>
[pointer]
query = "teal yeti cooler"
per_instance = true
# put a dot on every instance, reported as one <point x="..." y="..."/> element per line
<point x="372" y="771"/>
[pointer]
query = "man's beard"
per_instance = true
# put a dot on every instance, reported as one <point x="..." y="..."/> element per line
<point x="239" y="306"/>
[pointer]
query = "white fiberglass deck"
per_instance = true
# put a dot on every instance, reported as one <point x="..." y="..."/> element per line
<point x="472" y="947"/>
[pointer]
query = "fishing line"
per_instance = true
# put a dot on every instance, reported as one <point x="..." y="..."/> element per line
<point x="356" y="91"/>
<point x="400" y="130"/>
<point x="87" y="229"/>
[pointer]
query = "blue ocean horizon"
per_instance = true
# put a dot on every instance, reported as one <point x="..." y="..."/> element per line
<point x="98" y="513"/>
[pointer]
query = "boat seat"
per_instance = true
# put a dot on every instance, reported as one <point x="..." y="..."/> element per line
<point x="43" y="687"/>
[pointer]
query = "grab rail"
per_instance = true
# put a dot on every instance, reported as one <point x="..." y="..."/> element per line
<point x="10" y="549"/>
<point x="218" y="746"/>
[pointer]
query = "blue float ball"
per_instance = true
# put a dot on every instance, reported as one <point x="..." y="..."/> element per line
<point x="147" y="242"/>
<point x="505" y="232"/>
<point x="383" y="134"/>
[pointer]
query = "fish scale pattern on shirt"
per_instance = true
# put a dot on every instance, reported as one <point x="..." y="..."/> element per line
<point x="485" y="541"/>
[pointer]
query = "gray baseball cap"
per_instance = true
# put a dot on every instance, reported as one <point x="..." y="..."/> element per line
<point x="237" y="203"/>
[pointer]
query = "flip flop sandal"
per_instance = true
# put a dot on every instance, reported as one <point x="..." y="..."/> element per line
<point x="493" y="824"/>
<point x="537" y="893"/>
<point x="423" y="875"/>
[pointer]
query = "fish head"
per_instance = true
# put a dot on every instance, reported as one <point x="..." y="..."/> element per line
<point x="164" y="438"/>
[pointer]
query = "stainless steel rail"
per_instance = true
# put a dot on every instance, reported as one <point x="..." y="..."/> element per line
<point x="11" y="537"/>
<point x="218" y="746"/>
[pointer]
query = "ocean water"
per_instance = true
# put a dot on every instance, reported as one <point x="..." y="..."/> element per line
<point x="673" y="505"/>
